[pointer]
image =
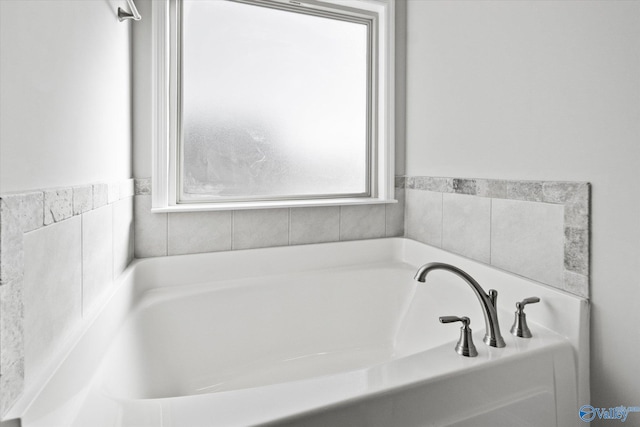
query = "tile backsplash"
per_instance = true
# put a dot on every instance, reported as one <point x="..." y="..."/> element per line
<point x="159" y="234"/>
<point x="536" y="229"/>
<point x="60" y="252"/>
<point x="466" y="226"/>
<point x="62" y="249"/>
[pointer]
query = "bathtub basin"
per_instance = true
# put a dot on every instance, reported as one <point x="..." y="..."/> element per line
<point x="332" y="334"/>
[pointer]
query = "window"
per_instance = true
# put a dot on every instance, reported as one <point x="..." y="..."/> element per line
<point x="272" y="103"/>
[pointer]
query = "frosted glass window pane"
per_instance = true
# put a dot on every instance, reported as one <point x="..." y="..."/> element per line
<point x="274" y="103"/>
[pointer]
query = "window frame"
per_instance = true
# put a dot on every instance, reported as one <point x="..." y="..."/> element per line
<point x="166" y="107"/>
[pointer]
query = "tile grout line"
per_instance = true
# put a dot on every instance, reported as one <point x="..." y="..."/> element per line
<point x="82" y="230"/>
<point x="166" y="249"/>
<point x="385" y="218"/>
<point x="233" y="221"/>
<point x="339" y="223"/>
<point x="490" y="229"/>
<point x="441" y="220"/>
<point x="289" y="227"/>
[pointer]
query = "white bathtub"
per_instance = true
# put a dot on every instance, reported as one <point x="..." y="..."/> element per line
<point x="333" y="334"/>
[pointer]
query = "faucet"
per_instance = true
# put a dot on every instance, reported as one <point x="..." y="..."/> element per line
<point x="492" y="337"/>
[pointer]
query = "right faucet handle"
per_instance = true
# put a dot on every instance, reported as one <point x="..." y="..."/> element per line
<point x="520" y="328"/>
<point x="530" y="300"/>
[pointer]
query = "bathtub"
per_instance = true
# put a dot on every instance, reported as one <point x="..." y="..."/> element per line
<point x="333" y="334"/>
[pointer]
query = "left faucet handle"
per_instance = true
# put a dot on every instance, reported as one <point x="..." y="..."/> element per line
<point x="450" y="319"/>
<point x="465" y="346"/>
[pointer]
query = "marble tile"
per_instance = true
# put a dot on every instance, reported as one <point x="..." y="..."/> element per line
<point x="100" y="195"/>
<point x="52" y="292"/>
<point x="464" y="186"/>
<point x="576" y="283"/>
<point x="466" y="226"/>
<point x="11" y="245"/>
<point x="126" y="189"/>
<point x="443" y="185"/>
<point x="576" y="250"/>
<point x="527" y="238"/>
<point x="576" y="214"/>
<point x="11" y="348"/>
<point x="150" y="229"/>
<point x="97" y="254"/>
<point x="564" y="192"/>
<point x="576" y="211"/>
<point x="11" y="344"/>
<point x="113" y="192"/>
<point x="395" y="216"/>
<point x="58" y="205"/>
<point x="524" y="190"/>
<point x="195" y="232"/>
<point x="11" y="384"/>
<point x="82" y="199"/>
<point x="420" y="183"/>
<point x="314" y="225"/>
<point x="362" y="222"/>
<point x="123" y="235"/>
<point x="423" y="216"/>
<point x="410" y="182"/>
<point x="430" y="183"/>
<point x="399" y="181"/>
<point x="27" y="209"/>
<point x="260" y="228"/>
<point x="492" y="188"/>
<point x="143" y="186"/>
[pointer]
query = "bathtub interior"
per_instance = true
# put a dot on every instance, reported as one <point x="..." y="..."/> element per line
<point x="235" y="334"/>
<point x="291" y="330"/>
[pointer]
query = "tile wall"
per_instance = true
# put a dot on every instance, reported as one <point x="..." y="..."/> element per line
<point x="536" y="229"/>
<point x="159" y="234"/>
<point x="60" y="252"/>
<point x="61" y="249"/>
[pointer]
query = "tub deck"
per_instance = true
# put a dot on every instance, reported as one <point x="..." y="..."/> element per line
<point x="331" y="334"/>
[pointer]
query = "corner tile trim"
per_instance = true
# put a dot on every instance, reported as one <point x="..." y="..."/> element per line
<point x="558" y="192"/>
<point x="143" y="186"/>
<point x="574" y="196"/>
<point x="29" y="211"/>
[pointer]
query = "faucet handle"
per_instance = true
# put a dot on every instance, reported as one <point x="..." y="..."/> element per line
<point x="465" y="346"/>
<point x="520" y="328"/>
<point x="450" y="319"/>
<point x="531" y="300"/>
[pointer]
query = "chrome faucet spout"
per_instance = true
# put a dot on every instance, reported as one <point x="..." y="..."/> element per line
<point x="487" y="301"/>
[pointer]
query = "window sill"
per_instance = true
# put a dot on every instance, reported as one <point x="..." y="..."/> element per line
<point x="203" y="207"/>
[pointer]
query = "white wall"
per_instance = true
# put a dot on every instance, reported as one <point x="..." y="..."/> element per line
<point x="65" y="93"/>
<point x="142" y="92"/>
<point x="543" y="91"/>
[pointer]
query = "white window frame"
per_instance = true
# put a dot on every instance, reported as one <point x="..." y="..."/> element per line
<point x="164" y="179"/>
